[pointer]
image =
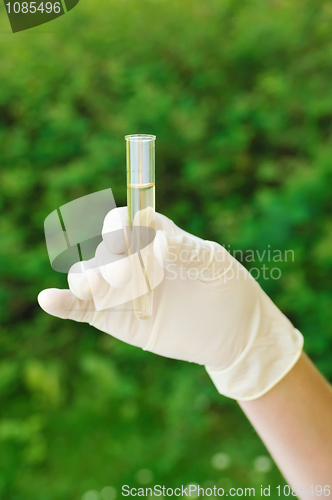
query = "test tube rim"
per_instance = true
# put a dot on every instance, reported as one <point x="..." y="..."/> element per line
<point x="140" y="137"/>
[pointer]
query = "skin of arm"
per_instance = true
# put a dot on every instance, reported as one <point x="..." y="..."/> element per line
<point x="294" y="420"/>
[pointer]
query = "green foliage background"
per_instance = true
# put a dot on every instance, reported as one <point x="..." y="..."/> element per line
<point x="239" y="95"/>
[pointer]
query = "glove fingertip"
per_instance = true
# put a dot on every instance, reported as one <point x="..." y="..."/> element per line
<point x="46" y="299"/>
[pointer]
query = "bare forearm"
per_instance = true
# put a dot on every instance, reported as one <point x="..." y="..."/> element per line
<point x="294" y="420"/>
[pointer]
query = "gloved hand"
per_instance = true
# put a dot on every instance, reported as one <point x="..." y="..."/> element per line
<point x="208" y="309"/>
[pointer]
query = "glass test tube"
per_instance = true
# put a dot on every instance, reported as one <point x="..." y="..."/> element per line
<point x="141" y="211"/>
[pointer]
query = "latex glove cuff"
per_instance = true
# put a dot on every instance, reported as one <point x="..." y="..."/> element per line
<point x="270" y="356"/>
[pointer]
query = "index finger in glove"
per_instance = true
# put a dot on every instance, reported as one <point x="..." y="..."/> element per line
<point x="115" y="231"/>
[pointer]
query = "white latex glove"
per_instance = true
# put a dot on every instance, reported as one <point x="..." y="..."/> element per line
<point x="208" y="309"/>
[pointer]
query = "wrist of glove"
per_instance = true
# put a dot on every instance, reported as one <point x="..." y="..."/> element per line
<point x="274" y="348"/>
<point x="207" y="308"/>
